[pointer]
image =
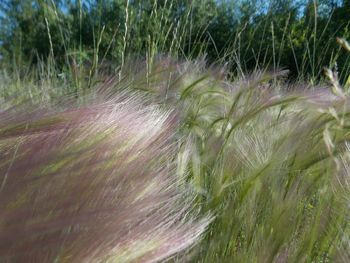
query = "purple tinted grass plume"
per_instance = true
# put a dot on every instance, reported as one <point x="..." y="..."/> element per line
<point x="92" y="184"/>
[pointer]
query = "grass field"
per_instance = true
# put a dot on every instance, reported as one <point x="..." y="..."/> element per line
<point x="263" y="167"/>
<point x="173" y="159"/>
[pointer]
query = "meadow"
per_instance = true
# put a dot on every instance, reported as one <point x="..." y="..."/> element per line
<point x="164" y="154"/>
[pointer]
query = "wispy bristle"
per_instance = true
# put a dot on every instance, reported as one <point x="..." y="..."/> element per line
<point x="91" y="184"/>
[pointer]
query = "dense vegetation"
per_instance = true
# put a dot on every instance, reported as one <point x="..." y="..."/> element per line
<point x="145" y="131"/>
<point x="294" y="34"/>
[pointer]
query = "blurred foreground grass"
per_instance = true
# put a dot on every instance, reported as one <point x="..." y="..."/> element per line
<point x="268" y="161"/>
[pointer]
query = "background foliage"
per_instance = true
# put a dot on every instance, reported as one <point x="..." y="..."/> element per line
<point x="248" y="35"/>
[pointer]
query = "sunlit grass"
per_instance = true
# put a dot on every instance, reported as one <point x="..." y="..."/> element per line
<point x="269" y="165"/>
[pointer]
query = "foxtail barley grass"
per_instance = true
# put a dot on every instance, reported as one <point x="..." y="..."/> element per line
<point x="125" y="179"/>
<point x="271" y="164"/>
<point x="92" y="184"/>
